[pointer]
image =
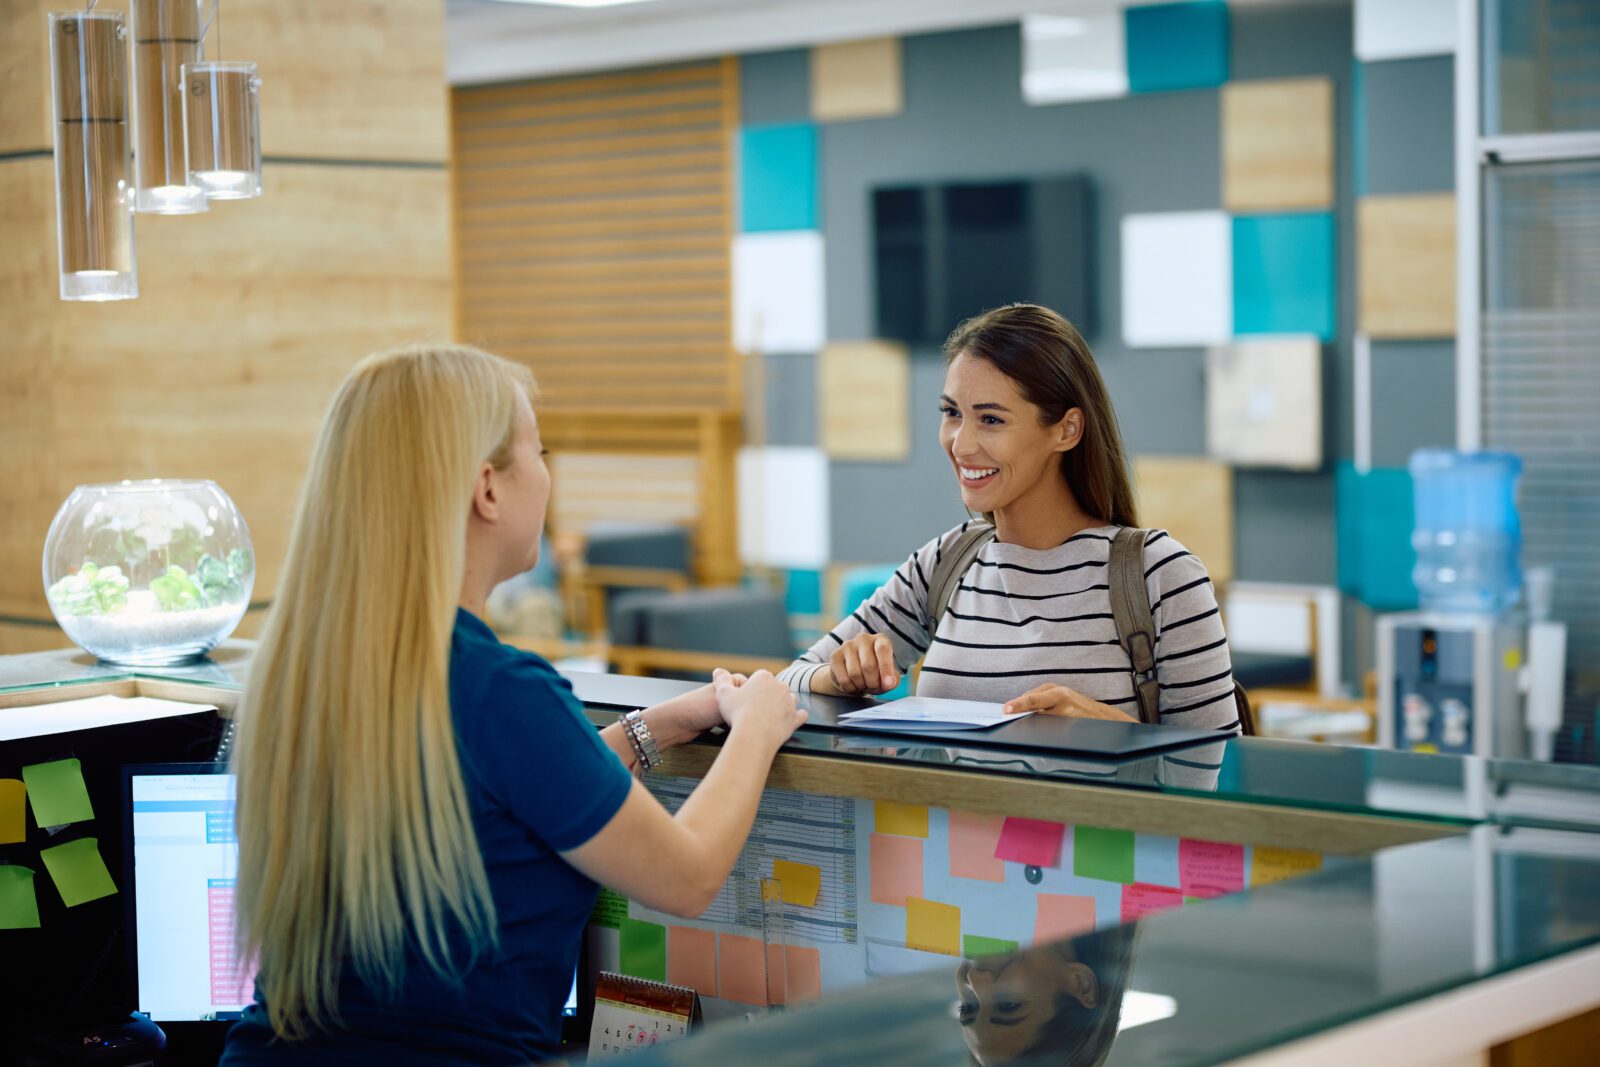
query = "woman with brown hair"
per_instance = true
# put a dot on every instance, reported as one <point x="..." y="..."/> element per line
<point x="1033" y="442"/>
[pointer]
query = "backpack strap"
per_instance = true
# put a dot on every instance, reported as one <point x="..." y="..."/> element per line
<point x="951" y="566"/>
<point x="1136" y="629"/>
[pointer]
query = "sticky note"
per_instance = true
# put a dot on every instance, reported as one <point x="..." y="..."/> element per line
<point x="19" y="906"/>
<point x="692" y="959"/>
<point x="803" y="970"/>
<point x="933" y="927"/>
<point x="973" y="946"/>
<point x="909" y="820"/>
<point x="644" y="950"/>
<point x="1210" y="868"/>
<point x="1061" y="916"/>
<point x="1268" y="864"/>
<point x="79" y="872"/>
<point x="610" y="909"/>
<point x="1103" y="854"/>
<point x="58" y="793"/>
<point x="973" y="841"/>
<point x="800" y="882"/>
<point x="1139" y="900"/>
<point x="1155" y="859"/>
<point x="741" y="969"/>
<point x="13" y="824"/>
<point x="1030" y="841"/>
<point x="896" y="864"/>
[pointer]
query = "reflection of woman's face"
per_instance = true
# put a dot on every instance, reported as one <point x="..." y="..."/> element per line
<point x="1007" y="1000"/>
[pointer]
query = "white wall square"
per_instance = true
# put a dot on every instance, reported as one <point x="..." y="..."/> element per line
<point x="1400" y="29"/>
<point x="783" y="507"/>
<point x="1264" y="402"/>
<point x="1177" y="279"/>
<point x="1067" y="57"/>
<point x="777" y="292"/>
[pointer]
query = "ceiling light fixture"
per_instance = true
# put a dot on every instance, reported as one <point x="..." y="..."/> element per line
<point x="222" y="123"/>
<point x="166" y="35"/>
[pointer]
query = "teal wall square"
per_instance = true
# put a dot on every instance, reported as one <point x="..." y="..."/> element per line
<point x="778" y="178"/>
<point x="1375" y="517"/>
<point x="1283" y="274"/>
<point x="1177" y="46"/>
<point x="802" y="593"/>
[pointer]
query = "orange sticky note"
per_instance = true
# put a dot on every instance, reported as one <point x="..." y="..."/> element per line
<point x="692" y="959"/>
<point x="896" y="864"/>
<point x="973" y="840"/>
<point x="1062" y="916"/>
<point x="908" y="820"/>
<point x="13" y="803"/>
<point x="933" y="927"/>
<point x="1268" y="864"/>
<point x="804" y="970"/>
<point x="800" y="882"/>
<point x="741" y="969"/>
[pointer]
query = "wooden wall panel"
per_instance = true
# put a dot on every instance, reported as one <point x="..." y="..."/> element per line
<point x="857" y="80"/>
<point x="1406" y="263"/>
<point x="864" y="401"/>
<point x="25" y="75"/>
<point x="1191" y="498"/>
<point x="1277" y="145"/>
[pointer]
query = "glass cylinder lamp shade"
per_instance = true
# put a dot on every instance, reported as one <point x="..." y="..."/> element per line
<point x="94" y="166"/>
<point x="148" y="573"/>
<point x="222" y="128"/>
<point x="166" y="35"/>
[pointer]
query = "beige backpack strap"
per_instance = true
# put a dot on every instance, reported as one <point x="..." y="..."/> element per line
<point x="1136" y="629"/>
<point x="951" y="566"/>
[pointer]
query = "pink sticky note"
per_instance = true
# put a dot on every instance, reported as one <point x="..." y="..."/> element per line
<point x="741" y="966"/>
<point x="1139" y="900"/>
<point x="692" y="959"/>
<point x="1062" y="916"/>
<point x="896" y="864"/>
<point x="973" y="840"/>
<point x="805" y="973"/>
<point x="1031" y="841"/>
<point x="1210" y="868"/>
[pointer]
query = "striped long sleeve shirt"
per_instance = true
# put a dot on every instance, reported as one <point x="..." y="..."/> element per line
<point x="1023" y="617"/>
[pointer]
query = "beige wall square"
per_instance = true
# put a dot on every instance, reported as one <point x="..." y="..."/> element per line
<point x="857" y="80"/>
<point x="1264" y="402"/>
<point x="1191" y="498"/>
<point x="864" y="400"/>
<point x="1277" y="144"/>
<point x="1406" y="265"/>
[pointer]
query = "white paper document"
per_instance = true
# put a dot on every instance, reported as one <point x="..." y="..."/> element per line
<point x="930" y="713"/>
<point x="86" y="714"/>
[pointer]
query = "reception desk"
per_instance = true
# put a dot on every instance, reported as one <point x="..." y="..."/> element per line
<point x="1291" y="900"/>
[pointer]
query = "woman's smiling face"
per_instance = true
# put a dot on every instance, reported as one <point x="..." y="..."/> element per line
<point x="998" y="442"/>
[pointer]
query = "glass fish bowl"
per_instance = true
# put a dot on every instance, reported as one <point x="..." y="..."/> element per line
<point x="149" y="573"/>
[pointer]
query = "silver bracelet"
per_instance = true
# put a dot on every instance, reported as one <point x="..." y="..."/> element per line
<point x="639" y="736"/>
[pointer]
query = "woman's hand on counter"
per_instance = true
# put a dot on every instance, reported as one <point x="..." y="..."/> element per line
<point x="863" y="664"/>
<point x="1068" y="703"/>
<point x="683" y="718"/>
<point x="760" y="705"/>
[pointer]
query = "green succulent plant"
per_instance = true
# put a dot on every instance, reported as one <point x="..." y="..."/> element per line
<point x="175" y="590"/>
<point x="93" y="590"/>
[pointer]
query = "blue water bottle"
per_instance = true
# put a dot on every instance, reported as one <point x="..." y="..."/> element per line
<point x="1468" y="536"/>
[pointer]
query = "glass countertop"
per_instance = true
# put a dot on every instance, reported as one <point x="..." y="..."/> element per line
<point x="1212" y="982"/>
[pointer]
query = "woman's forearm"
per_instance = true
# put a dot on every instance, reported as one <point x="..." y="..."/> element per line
<point x="719" y="813"/>
<point x="672" y="723"/>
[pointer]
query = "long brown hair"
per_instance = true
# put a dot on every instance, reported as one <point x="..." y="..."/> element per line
<point x="1050" y="362"/>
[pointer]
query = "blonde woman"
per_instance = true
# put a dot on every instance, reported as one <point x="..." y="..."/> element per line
<point x="423" y="812"/>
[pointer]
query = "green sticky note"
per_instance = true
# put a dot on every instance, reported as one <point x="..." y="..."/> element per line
<point x="973" y="946"/>
<point x="610" y="910"/>
<point x="644" y="950"/>
<point x="19" y="907"/>
<point x="1106" y="855"/>
<point x="79" y="872"/>
<point x="57" y="792"/>
<point x="1194" y="900"/>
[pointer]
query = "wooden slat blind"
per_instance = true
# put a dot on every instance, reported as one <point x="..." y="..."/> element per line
<point x="593" y="227"/>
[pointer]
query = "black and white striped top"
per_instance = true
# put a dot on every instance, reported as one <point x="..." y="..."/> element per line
<point x="1021" y="617"/>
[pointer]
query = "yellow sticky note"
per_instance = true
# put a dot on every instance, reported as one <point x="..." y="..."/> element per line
<point x="13" y="797"/>
<point x="1268" y="864"/>
<point x="933" y="927"/>
<point x="1427" y="747"/>
<point x="79" y="872"/>
<point x="800" y="881"/>
<point x="907" y="820"/>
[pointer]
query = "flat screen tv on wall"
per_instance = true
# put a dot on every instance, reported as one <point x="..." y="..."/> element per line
<point x="948" y="251"/>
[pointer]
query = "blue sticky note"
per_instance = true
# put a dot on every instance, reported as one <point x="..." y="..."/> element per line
<point x="1374" y="519"/>
<point x="1177" y="46"/>
<point x="1283" y="274"/>
<point x="802" y="593"/>
<point x="778" y="178"/>
<point x="1155" y="860"/>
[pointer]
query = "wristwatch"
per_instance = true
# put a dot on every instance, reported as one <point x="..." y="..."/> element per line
<point x="639" y="736"/>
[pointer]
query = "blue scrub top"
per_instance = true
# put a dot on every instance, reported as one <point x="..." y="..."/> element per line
<point x="540" y="782"/>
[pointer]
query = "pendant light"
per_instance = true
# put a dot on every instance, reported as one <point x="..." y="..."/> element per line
<point x="166" y="35"/>
<point x="222" y="124"/>
<point x="94" y="172"/>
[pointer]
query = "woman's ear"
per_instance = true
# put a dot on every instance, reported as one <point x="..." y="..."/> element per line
<point x="485" y="498"/>
<point x="1069" y="430"/>
<point x="1082" y="985"/>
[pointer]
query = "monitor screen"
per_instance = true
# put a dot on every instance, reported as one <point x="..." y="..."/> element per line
<point x="185" y="857"/>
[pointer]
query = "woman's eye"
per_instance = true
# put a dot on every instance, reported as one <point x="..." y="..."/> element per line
<point x="948" y="413"/>
<point x="1008" y="1007"/>
<point x="992" y="420"/>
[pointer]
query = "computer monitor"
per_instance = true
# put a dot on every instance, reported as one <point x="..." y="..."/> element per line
<point x="184" y="857"/>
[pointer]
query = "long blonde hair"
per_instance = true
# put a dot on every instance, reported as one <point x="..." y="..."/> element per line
<point x="353" y="822"/>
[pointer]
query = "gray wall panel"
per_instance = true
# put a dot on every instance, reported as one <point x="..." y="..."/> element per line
<point x="1411" y="142"/>
<point x="790" y="385"/>
<point x="1413" y="399"/>
<point x="775" y="87"/>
